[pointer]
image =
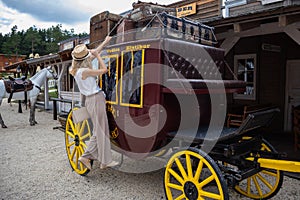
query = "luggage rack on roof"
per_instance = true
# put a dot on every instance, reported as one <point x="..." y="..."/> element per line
<point x="180" y="28"/>
<point x="202" y="33"/>
<point x="165" y="25"/>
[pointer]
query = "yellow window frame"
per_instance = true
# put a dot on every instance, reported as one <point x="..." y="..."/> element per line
<point x="116" y="56"/>
<point x="142" y="79"/>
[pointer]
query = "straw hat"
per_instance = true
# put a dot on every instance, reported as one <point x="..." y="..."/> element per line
<point x="80" y="52"/>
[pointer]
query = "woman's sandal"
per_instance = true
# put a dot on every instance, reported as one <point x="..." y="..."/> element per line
<point x="111" y="164"/>
<point x="86" y="162"/>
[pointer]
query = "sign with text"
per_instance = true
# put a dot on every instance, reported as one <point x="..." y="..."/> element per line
<point x="270" y="47"/>
<point x="186" y="10"/>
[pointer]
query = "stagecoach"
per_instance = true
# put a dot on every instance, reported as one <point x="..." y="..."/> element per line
<point x="166" y="92"/>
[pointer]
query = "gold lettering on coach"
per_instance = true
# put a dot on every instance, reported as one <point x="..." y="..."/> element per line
<point x="137" y="47"/>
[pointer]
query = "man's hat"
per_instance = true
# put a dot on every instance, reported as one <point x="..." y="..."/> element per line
<point x="80" y="52"/>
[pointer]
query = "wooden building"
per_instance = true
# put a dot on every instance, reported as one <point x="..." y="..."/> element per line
<point x="6" y="60"/>
<point x="261" y="39"/>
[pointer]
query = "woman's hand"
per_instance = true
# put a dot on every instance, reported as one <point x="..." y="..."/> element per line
<point x="94" y="52"/>
<point x="107" y="40"/>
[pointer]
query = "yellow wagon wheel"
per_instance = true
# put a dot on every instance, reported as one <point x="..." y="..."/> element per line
<point x="192" y="174"/>
<point x="263" y="185"/>
<point x="76" y="136"/>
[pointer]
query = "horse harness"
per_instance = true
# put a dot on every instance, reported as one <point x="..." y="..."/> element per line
<point x="18" y="85"/>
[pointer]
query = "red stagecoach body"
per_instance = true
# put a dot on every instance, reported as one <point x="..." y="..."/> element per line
<point x="148" y="72"/>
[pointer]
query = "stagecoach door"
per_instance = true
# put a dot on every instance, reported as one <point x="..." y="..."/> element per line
<point x="123" y="86"/>
<point x="123" y="83"/>
<point x="292" y="97"/>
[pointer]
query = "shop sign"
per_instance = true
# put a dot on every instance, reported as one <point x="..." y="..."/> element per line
<point x="68" y="45"/>
<point x="186" y="10"/>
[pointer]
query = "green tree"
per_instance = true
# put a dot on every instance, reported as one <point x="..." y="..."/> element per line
<point x="2" y="39"/>
<point x="33" y="40"/>
<point x="11" y="44"/>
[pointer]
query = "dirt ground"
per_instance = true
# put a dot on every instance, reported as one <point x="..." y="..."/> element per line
<point x="34" y="165"/>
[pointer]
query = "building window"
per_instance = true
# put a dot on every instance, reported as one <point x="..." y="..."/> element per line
<point x="245" y="70"/>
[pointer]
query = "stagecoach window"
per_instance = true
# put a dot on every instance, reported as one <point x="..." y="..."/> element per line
<point x="245" y="70"/>
<point x="132" y="78"/>
<point x="109" y="80"/>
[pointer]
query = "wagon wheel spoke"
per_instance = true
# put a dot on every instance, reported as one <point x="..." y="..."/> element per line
<point x="257" y="186"/>
<point x="71" y="144"/>
<point x="180" y="197"/>
<point x="189" y="166"/>
<point x="249" y="186"/>
<point x="82" y="127"/>
<point x="85" y="136"/>
<point x="72" y="125"/>
<point x="181" y="169"/>
<point x="198" y="171"/>
<point x="175" y="186"/>
<point x="81" y="150"/>
<point x="206" y="181"/>
<point x="77" y="155"/>
<point x="73" y="153"/>
<point x="264" y="181"/>
<point x="210" y="195"/>
<point x="70" y="134"/>
<point x="81" y="166"/>
<point x="175" y="175"/>
<point x="83" y="144"/>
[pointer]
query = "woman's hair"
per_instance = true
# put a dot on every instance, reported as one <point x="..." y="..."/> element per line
<point x="76" y="64"/>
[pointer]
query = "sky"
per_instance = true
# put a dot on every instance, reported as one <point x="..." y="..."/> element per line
<point x="72" y="14"/>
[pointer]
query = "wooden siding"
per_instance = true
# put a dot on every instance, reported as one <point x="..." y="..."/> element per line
<point x="205" y="8"/>
<point x="254" y="6"/>
<point x="245" y="9"/>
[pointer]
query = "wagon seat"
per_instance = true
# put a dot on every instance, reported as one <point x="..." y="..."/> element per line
<point x="203" y="67"/>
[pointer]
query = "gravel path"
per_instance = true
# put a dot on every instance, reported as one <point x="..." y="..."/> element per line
<point x="34" y="165"/>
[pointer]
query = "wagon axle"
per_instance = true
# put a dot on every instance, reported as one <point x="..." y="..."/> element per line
<point x="190" y="190"/>
<point x="77" y="140"/>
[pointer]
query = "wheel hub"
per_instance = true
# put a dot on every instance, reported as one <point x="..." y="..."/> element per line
<point x="76" y="140"/>
<point x="190" y="190"/>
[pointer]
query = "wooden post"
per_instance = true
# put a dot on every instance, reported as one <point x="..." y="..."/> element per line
<point x="54" y="108"/>
<point x="237" y="27"/>
<point x="20" y="102"/>
<point x="282" y="21"/>
<point x="20" y="107"/>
